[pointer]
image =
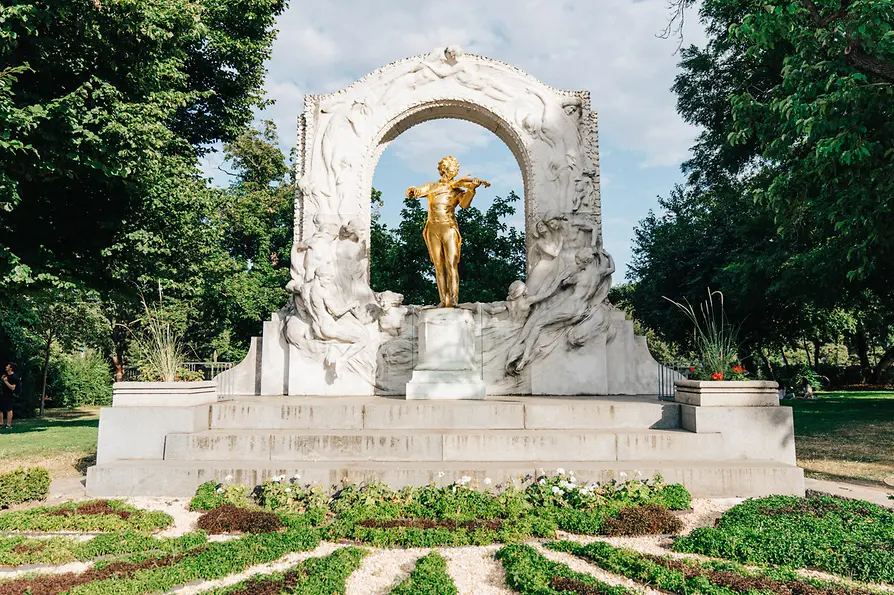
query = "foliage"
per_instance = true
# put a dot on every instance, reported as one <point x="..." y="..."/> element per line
<point x="82" y="380"/>
<point x="101" y="102"/>
<point x="158" y="349"/>
<point x="530" y="573"/>
<point x="316" y="576"/>
<point x="91" y="516"/>
<point x="846" y="537"/>
<point x="493" y="254"/>
<point x="429" y="577"/>
<point x="779" y="211"/>
<point x="642" y="520"/>
<point x="24" y="485"/>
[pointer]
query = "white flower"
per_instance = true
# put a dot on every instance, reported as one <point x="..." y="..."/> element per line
<point x="636" y="473"/>
<point x="487" y="480"/>
<point x="570" y="472"/>
<point x="219" y="490"/>
<point x="542" y="482"/>
<point x="454" y="489"/>
<point x="440" y="474"/>
<point x="556" y="489"/>
<point x="465" y="479"/>
<point x="297" y="476"/>
<point x="560" y="471"/>
<point x="228" y="478"/>
<point x="622" y="474"/>
<point x="288" y="490"/>
<point x="584" y="491"/>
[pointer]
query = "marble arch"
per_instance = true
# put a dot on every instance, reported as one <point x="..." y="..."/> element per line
<point x="555" y="333"/>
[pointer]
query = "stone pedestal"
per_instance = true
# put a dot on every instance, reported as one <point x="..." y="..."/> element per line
<point x="446" y="368"/>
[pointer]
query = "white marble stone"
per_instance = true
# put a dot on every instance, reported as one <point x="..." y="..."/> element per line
<point x="553" y="334"/>
<point x="447" y="364"/>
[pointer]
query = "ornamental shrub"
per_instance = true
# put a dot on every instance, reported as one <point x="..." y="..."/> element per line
<point x="83" y="380"/>
<point x="24" y="485"/>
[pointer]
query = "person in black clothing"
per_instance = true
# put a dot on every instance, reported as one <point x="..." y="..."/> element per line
<point x="12" y="387"/>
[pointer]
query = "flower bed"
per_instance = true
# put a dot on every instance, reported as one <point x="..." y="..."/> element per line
<point x="93" y="516"/>
<point x="429" y="577"/>
<point x="314" y="576"/>
<point x="708" y="578"/>
<point x="851" y="538"/>
<point x="530" y="573"/>
<point x="18" y="551"/>
<point x="24" y="485"/>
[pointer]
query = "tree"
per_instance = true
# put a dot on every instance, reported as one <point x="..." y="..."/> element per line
<point x="103" y="100"/>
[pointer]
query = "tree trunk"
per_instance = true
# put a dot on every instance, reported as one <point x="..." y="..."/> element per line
<point x="863" y="354"/>
<point x="767" y="363"/>
<point x="816" y="353"/>
<point x="784" y="357"/>
<point x="883" y="364"/>
<point x="807" y="353"/>
<point x="46" y="366"/>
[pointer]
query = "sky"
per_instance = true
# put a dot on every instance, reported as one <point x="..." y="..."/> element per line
<point x="610" y="48"/>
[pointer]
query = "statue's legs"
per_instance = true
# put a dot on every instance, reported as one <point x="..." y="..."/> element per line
<point x="433" y="243"/>
<point x="452" y="243"/>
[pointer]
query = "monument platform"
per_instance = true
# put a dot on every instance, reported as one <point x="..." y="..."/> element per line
<point x="399" y="442"/>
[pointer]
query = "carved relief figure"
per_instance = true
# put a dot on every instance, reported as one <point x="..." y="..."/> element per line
<point x="352" y="260"/>
<point x="344" y="129"/>
<point x="332" y="319"/>
<point x="546" y="253"/>
<point x="441" y="232"/>
<point x="442" y="63"/>
<point x="584" y="190"/>
<point x="563" y="310"/>
<point x="318" y="251"/>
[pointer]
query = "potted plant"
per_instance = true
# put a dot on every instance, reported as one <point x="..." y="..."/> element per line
<point x="719" y="379"/>
<point x="160" y="354"/>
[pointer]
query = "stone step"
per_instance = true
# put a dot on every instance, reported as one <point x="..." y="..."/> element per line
<point x="444" y="445"/>
<point x="744" y="479"/>
<point x="507" y="413"/>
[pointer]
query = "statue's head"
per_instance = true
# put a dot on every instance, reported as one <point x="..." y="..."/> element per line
<point x="389" y="299"/>
<point x="554" y="220"/>
<point x="351" y="229"/>
<point x="452" y="53"/>
<point x="517" y="290"/>
<point x="448" y="167"/>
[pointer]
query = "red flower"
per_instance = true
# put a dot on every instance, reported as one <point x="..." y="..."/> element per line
<point x="738" y="369"/>
<point x="717" y="376"/>
<point x="692" y="368"/>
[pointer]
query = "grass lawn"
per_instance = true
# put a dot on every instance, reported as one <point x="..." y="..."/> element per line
<point x="846" y="435"/>
<point x="63" y="441"/>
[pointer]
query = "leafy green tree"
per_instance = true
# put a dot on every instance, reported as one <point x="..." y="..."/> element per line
<point x="101" y="101"/>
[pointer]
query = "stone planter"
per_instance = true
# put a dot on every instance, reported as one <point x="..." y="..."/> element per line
<point x="163" y="394"/>
<point x="727" y="393"/>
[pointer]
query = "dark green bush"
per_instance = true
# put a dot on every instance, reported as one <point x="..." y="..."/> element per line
<point x="24" y="485"/>
<point x="207" y="497"/>
<point x="82" y="380"/>
<point x="847" y="537"/>
<point x="530" y="573"/>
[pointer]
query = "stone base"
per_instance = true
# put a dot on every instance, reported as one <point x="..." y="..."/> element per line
<point x="446" y="368"/>
<point x="727" y="393"/>
<point x="714" y="452"/>
<point x="445" y="385"/>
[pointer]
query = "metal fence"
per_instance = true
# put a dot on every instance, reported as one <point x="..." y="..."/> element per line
<point x="668" y="372"/>
<point x="209" y="371"/>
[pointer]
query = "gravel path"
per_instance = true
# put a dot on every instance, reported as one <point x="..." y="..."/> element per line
<point x="475" y="571"/>
<point x="382" y="570"/>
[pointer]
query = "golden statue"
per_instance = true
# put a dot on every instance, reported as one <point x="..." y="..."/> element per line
<point x="441" y="233"/>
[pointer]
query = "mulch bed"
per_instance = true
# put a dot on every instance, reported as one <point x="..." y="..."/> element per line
<point x="743" y="584"/>
<point x="25" y="548"/>
<point x="561" y="583"/>
<point x="642" y="520"/>
<point x="491" y="524"/>
<point x="52" y="584"/>
<point x="232" y="519"/>
<point x="97" y="507"/>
